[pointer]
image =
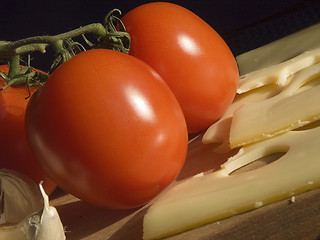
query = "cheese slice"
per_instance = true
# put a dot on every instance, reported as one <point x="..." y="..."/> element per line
<point x="278" y="96"/>
<point x="278" y="74"/>
<point x="280" y="50"/>
<point x="219" y="131"/>
<point x="296" y="105"/>
<point x="244" y="126"/>
<point x="257" y="86"/>
<point x="207" y="198"/>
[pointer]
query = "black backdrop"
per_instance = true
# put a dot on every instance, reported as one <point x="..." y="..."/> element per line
<point x="244" y="24"/>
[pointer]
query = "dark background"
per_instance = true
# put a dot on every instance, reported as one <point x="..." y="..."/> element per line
<point x="244" y="24"/>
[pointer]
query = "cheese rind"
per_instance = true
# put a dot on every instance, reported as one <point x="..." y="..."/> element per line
<point x="203" y="199"/>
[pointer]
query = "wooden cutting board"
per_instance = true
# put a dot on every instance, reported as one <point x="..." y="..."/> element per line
<point x="281" y="220"/>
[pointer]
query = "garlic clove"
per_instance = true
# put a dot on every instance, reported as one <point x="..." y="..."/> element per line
<point x="51" y="226"/>
<point x="19" y="197"/>
<point x="25" y="210"/>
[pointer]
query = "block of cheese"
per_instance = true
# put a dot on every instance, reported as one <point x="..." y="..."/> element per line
<point x="220" y="194"/>
<point x="280" y="50"/>
<point x="296" y="105"/>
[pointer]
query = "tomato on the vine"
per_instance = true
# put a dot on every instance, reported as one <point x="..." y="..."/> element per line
<point x="107" y="129"/>
<point x="189" y="55"/>
<point x="15" y="151"/>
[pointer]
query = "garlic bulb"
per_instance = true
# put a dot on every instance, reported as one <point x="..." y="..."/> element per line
<point x="25" y="213"/>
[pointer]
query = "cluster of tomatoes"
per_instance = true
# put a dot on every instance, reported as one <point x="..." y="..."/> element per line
<point x="112" y="128"/>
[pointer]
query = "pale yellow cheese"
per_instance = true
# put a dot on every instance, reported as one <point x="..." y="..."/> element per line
<point x="262" y="85"/>
<point x="280" y="50"/>
<point x="278" y="96"/>
<point x="207" y="198"/>
<point x="296" y="105"/>
<point x="257" y="86"/>
<point x="278" y="74"/>
<point x="219" y="132"/>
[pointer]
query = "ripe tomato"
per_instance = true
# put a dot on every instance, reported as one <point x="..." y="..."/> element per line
<point x="15" y="151"/>
<point x="107" y="129"/>
<point x="189" y="55"/>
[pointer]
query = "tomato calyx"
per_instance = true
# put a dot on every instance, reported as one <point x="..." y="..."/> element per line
<point x="110" y="35"/>
<point x="118" y="38"/>
<point x="22" y="75"/>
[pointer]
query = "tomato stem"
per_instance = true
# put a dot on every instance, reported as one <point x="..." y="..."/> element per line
<point x="14" y="66"/>
<point x="39" y="43"/>
<point x="111" y="35"/>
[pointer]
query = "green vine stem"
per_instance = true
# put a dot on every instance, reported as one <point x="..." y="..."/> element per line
<point x="39" y="43"/>
<point x="111" y="35"/>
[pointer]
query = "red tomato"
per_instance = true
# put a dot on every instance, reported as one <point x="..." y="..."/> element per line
<point x="15" y="151"/>
<point x="189" y="55"/>
<point x="107" y="129"/>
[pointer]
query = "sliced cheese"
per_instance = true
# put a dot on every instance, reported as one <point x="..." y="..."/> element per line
<point x="219" y="132"/>
<point x="257" y="86"/>
<point x="278" y="74"/>
<point x="277" y="96"/>
<point x="296" y="105"/>
<point x="207" y="198"/>
<point x="280" y="50"/>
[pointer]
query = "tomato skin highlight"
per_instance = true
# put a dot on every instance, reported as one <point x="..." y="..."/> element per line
<point x="107" y="129"/>
<point x="189" y="55"/>
<point x="15" y="151"/>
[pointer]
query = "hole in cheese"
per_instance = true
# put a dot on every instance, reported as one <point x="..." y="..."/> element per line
<point x="263" y="161"/>
<point x="313" y="81"/>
